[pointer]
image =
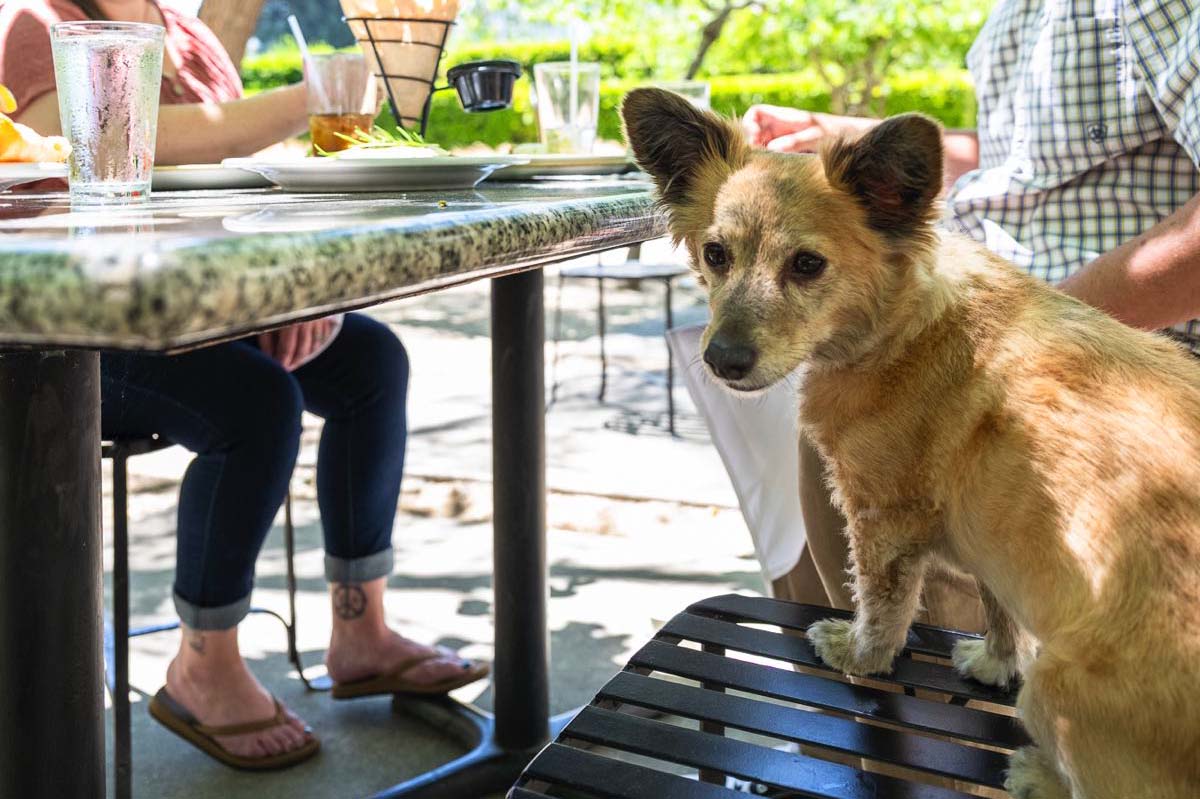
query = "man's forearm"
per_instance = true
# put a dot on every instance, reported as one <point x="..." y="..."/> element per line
<point x="1151" y="281"/>
<point x="198" y="133"/>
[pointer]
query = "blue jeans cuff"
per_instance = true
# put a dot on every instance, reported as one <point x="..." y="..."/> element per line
<point x="224" y="617"/>
<point x="359" y="570"/>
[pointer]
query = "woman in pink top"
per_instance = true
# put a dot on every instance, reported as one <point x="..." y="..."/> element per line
<point x="237" y="406"/>
<point x="203" y="117"/>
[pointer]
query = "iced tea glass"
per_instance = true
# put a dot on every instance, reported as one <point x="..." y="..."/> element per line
<point x="108" y="76"/>
<point x="342" y="98"/>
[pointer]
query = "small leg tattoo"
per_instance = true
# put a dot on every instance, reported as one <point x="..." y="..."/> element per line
<point x="349" y="601"/>
<point x="196" y="642"/>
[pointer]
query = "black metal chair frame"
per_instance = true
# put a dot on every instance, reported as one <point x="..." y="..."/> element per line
<point x="931" y="735"/>
<point x="598" y="274"/>
<point x="117" y="635"/>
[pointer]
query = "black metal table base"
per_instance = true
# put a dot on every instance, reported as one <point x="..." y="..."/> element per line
<point x="50" y="570"/>
<point x="501" y="745"/>
<point x="486" y="769"/>
<point x="52" y="708"/>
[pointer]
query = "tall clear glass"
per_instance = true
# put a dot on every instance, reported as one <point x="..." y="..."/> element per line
<point x="108" y="75"/>
<point x="341" y="99"/>
<point x="568" y="105"/>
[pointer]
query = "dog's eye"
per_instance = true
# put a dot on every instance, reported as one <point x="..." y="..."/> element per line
<point x="716" y="256"/>
<point x="807" y="263"/>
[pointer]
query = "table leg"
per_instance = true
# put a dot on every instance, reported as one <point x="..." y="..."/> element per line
<point x="502" y="745"/>
<point x="519" y="511"/>
<point x="52" y="704"/>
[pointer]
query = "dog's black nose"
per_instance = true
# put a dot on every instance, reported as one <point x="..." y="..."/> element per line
<point x="729" y="360"/>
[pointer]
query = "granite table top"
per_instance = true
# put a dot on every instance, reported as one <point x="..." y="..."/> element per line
<point x="190" y="268"/>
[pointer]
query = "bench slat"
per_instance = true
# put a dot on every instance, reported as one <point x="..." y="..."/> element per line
<point x="616" y="779"/>
<point x="943" y="758"/>
<point x="978" y="726"/>
<point x="809" y="776"/>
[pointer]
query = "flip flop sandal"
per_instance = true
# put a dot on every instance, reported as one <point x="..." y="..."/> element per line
<point x="176" y="718"/>
<point x="397" y="683"/>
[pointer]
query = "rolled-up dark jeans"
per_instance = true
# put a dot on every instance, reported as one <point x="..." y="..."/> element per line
<point x="239" y="410"/>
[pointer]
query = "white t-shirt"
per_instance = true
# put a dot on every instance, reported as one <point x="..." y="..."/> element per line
<point x="758" y="439"/>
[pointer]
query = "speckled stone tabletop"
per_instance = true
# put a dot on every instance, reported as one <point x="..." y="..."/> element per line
<point x="194" y="267"/>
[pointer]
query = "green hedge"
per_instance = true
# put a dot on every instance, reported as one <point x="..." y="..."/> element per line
<point x="618" y="58"/>
<point x="946" y="96"/>
<point x="278" y="66"/>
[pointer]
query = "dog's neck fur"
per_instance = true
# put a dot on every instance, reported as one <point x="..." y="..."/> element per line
<point x="917" y="296"/>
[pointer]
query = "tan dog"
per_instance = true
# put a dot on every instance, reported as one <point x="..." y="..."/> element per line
<point x="970" y="413"/>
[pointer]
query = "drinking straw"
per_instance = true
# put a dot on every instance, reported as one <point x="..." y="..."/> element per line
<point x="573" y="91"/>
<point x="312" y="74"/>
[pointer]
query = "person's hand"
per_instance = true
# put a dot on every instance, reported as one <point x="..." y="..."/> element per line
<point x="292" y="344"/>
<point x="793" y="130"/>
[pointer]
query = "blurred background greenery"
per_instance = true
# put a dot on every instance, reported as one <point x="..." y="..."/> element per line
<point x="871" y="57"/>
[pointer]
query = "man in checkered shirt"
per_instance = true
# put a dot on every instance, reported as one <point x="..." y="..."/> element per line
<point x="1084" y="170"/>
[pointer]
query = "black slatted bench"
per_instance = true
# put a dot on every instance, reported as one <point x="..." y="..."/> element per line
<point x="937" y="724"/>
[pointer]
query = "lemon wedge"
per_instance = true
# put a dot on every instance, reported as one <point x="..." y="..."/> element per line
<point x="8" y="103"/>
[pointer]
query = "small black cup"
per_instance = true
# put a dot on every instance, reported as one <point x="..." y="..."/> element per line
<point x="484" y="85"/>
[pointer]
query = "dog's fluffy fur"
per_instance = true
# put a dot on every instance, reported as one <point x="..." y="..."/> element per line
<point x="972" y="414"/>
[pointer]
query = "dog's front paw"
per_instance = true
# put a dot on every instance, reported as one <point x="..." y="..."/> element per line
<point x="835" y="643"/>
<point x="973" y="660"/>
<point x="1031" y="775"/>
<point x="832" y="640"/>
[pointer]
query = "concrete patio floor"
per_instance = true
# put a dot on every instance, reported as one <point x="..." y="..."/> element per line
<point x="640" y="525"/>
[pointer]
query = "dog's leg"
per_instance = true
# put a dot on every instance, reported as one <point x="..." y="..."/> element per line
<point x="996" y="659"/>
<point x="1032" y="775"/>
<point x="1034" y="771"/>
<point x="888" y="569"/>
<point x="1097" y="736"/>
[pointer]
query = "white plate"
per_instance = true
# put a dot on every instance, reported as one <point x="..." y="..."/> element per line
<point x="377" y="174"/>
<point x="186" y="177"/>
<point x="566" y="164"/>
<point x="15" y="174"/>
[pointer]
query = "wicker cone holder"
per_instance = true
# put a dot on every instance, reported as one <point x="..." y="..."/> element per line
<point x="403" y="41"/>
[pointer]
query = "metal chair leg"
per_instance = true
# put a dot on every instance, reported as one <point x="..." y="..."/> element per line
<point x="670" y="363"/>
<point x="603" y="354"/>
<point x="289" y="543"/>
<point x="122" y="735"/>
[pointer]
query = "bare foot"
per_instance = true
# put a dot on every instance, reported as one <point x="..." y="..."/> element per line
<point x="211" y="680"/>
<point x="371" y="654"/>
<point x="362" y="645"/>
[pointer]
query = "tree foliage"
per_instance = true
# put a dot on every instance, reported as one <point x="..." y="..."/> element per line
<point x="321" y="21"/>
<point x="855" y="47"/>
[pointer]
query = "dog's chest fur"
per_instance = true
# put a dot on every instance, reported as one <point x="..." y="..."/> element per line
<point x="882" y="431"/>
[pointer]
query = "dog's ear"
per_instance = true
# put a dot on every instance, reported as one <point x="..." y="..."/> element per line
<point x="894" y="170"/>
<point x="674" y="141"/>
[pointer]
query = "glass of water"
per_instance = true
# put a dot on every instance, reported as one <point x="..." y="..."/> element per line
<point x="568" y="105"/>
<point x="109" y="76"/>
